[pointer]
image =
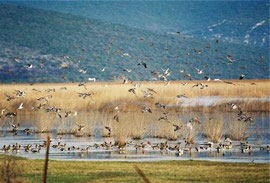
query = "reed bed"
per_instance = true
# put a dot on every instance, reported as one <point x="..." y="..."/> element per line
<point x="105" y="96"/>
<point x="105" y="100"/>
<point x="137" y="125"/>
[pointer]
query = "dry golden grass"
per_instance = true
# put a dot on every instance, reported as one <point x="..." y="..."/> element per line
<point x="213" y="129"/>
<point x="109" y="99"/>
<point x="108" y="95"/>
<point x="237" y="130"/>
<point x="191" y="134"/>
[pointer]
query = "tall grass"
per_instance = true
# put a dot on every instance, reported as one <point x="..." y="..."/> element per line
<point x="105" y="96"/>
<point x="213" y="129"/>
<point x="11" y="170"/>
<point x="120" y="134"/>
<point x="237" y="130"/>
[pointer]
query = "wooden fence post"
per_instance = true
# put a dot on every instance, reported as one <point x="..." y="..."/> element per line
<point x="46" y="160"/>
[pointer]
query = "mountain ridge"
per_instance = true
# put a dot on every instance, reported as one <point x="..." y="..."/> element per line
<point x="55" y="34"/>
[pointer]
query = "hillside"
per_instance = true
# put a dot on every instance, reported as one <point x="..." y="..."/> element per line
<point x="64" y="47"/>
<point x="243" y="22"/>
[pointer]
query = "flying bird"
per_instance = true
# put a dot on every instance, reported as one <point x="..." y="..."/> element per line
<point x="242" y="76"/>
<point x="21" y="106"/>
<point x="143" y="64"/>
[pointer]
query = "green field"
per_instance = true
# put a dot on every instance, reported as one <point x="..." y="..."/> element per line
<point x="163" y="171"/>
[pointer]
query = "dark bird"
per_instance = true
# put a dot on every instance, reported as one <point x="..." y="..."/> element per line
<point x="109" y="130"/>
<point x="151" y="90"/>
<point x="15" y="127"/>
<point x="132" y="90"/>
<point x="116" y="118"/>
<point x="9" y="98"/>
<point x="11" y="114"/>
<point x="176" y="127"/>
<point x="146" y="109"/>
<point x="143" y="64"/>
<point x="163" y="118"/>
<point x="160" y="105"/>
<point x="181" y="96"/>
<point x="80" y="127"/>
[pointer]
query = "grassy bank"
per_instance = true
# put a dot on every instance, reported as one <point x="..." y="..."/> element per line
<point x="164" y="171"/>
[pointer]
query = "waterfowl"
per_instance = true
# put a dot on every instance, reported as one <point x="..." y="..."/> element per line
<point x="27" y="148"/>
<point x="85" y="150"/>
<point x="180" y="152"/>
<point x="116" y="118"/>
<point x="27" y="131"/>
<point x="109" y="130"/>
<point x="36" y="150"/>
<point x="146" y="109"/>
<point x="56" y="146"/>
<point x="160" y="105"/>
<point x="155" y="147"/>
<point x="16" y="148"/>
<point x="21" y="106"/>
<point x="221" y="148"/>
<point x="229" y="146"/>
<point x="247" y="149"/>
<point x="177" y="127"/>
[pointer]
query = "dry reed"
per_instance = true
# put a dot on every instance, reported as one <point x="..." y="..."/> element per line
<point x="105" y="96"/>
<point x="213" y="129"/>
<point x="237" y="130"/>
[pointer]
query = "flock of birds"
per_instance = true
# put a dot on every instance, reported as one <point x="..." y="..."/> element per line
<point x="178" y="148"/>
<point x="163" y="147"/>
<point x="227" y="146"/>
<point x="227" y="58"/>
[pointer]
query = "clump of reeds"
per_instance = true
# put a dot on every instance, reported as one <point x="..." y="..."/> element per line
<point x="120" y="134"/>
<point x="237" y="130"/>
<point x="213" y="129"/>
<point x="190" y="134"/>
<point x="167" y="128"/>
<point x="138" y="128"/>
<point x="11" y="170"/>
<point x="43" y="122"/>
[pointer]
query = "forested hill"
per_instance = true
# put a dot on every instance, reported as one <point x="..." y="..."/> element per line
<point x="47" y="46"/>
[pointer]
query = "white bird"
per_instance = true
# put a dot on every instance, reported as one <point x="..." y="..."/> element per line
<point x="103" y="69"/>
<point x="199" y="71"/>
<point x="92" y="79"/>
<point x="21" y="106"/>
<point x="126" y="54"/>
<point x="82" y="71"/>
<point x="189" y="126"/>
<point x="127" y="70"/>
<point x="233" y="106"/>
<point x="29" y="66"/>
<point x="2" y="112"/>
